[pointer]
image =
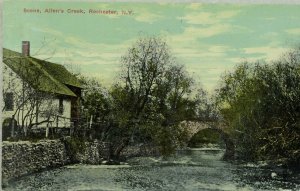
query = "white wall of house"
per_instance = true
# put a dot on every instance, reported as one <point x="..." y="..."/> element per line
<point x="60" y="119"/>
<point x="13" y="83"/>
<point x="64" y="118"/>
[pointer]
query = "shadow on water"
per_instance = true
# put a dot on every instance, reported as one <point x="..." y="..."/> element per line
<point x="192" y="169"/>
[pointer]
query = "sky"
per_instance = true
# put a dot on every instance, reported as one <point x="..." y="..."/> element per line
<point x="209" y="39"/>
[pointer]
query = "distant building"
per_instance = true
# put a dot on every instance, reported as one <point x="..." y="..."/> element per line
<point x="24" y="79"/>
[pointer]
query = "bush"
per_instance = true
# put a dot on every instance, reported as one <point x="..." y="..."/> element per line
<point x="74" y="145"/>
<point x="261" y="102"/>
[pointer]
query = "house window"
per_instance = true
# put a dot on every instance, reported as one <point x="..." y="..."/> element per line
<point x="9" y="101"/>
<point x="61" y="106"/>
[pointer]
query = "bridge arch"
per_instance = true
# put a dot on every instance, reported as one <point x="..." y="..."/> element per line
<point x="192" y="128"/>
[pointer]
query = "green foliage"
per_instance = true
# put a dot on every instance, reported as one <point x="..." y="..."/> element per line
<point x="96" y="103"/>
<point x="204" y="107"/>
<point x="261" y="102"/>
<point x="146" y="104"/>
<point x="164" y="138"/>
<point x="167" y="138"/>
<point x="95" y="99"/>
<point x="204" y="137"/>
<point x="152" y="96"/>
<point x="74" y="145"/>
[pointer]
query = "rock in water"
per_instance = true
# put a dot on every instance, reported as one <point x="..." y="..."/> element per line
<point x="273" y="174"/>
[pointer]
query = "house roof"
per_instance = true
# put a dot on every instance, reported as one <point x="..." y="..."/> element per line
<point x="41" y="74"/>
<point x="59" y="72"/>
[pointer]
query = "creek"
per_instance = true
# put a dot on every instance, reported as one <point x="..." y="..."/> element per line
<point x="193" y="169"/>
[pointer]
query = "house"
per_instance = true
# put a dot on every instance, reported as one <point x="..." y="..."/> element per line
<point x="37" y="93"/>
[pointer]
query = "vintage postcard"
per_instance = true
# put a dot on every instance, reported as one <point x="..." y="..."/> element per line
<point x="150" y="96"/>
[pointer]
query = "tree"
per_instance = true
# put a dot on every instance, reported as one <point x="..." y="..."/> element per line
<point x="150" y="98"/>
<point x="205" y="108"/>
<point x="260" y="101"/>
<point x="173" y="93"/>
<point x="96" y="100"/>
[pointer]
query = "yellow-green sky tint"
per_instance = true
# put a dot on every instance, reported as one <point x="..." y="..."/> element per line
<point x="208" y="38"/>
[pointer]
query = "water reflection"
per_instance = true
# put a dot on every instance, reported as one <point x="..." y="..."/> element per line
<point x="197" y="169"/>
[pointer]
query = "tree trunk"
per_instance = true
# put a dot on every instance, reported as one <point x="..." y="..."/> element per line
<point x="117" y="151"/>
<point x="230" y="149"/>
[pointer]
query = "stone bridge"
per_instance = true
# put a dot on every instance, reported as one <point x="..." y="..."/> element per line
<point x="193" y="128"/>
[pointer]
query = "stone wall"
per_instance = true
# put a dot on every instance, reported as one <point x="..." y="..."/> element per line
<point x="93" y="153"/>
<point x="21" y="158"/>
<point x="24" y="157"/>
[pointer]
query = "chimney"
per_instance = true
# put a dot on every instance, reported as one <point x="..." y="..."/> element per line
<point x="26" y="48"/>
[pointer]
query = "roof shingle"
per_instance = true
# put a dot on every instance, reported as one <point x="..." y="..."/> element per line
<point x="44" y="75"/>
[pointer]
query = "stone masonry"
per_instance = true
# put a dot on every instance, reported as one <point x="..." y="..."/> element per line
<point x="21" y="158"/>
<point x="24" y="157"/>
